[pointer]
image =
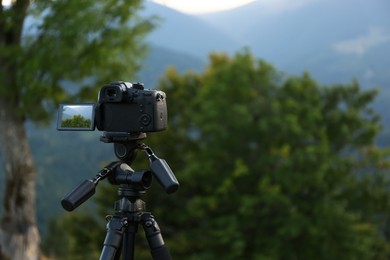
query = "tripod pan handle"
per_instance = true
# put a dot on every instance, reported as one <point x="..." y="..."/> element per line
<point x="164" y="174"/>
<point x="78" y="195"/>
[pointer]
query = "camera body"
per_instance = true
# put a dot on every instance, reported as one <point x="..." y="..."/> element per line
<point x="127" y="107"/>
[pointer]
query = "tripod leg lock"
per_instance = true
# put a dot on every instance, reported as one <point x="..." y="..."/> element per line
<point x="153" y="235"/>
<point x="115" y="228"/>
<point x="113" y="240"/>
<point x="152" y="231"/>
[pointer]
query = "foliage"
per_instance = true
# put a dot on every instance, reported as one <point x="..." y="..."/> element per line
<point x="85" y="43"/>
<point x="69" y="247"/>
<point x="77" y="121"/>
<point x="271" y="166"/>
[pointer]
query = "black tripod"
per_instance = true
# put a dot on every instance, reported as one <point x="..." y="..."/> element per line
<point x="129" y="209"/>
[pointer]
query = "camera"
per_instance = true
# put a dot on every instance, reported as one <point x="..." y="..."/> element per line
<point x="121" y="107"/>
<point x="126" y="107"/>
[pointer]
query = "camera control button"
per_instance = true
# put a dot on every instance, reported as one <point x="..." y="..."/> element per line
<point x="145" y="119"/>
<point x="138" y="85"/>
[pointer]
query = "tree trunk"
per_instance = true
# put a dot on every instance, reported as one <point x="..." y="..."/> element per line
<point x="19" y="236"/>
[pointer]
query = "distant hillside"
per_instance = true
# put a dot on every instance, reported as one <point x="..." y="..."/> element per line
<point x="160" y="58"/>
<point x="336" y="41"/>
<point x="187" y="34"/>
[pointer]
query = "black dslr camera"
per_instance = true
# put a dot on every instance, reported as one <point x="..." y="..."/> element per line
<point x="126" y="107"/>
<point x="121" y="107"/>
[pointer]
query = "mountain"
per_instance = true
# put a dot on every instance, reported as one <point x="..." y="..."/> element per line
<point x="159" y="58"/>
<point x="336" y="41"/>
<point x="186" y="33"/>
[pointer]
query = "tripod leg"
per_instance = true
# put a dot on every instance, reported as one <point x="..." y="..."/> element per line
<point x="113" y="238"/>
<point x="129" y="240"/>
<point x="157" y="246"/>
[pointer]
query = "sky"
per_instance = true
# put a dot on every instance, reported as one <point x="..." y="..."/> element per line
<point x="202" y="6"/>
<point x="207" y="6"/>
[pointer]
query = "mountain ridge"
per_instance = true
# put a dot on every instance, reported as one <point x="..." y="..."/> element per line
<point x="186" y="33"/>
<point x="336" y="41"/>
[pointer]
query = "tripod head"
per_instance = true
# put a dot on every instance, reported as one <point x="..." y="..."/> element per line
<point x="120" y="172"/>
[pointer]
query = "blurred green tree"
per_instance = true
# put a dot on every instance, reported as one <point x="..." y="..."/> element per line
<point x="271" y="167"/>
<point x="46" y="47"/>
<point x="278" y="166"/>
<point x="77" y="121"/>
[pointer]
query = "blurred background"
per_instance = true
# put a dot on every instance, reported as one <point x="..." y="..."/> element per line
<point x="278" y="124"/>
